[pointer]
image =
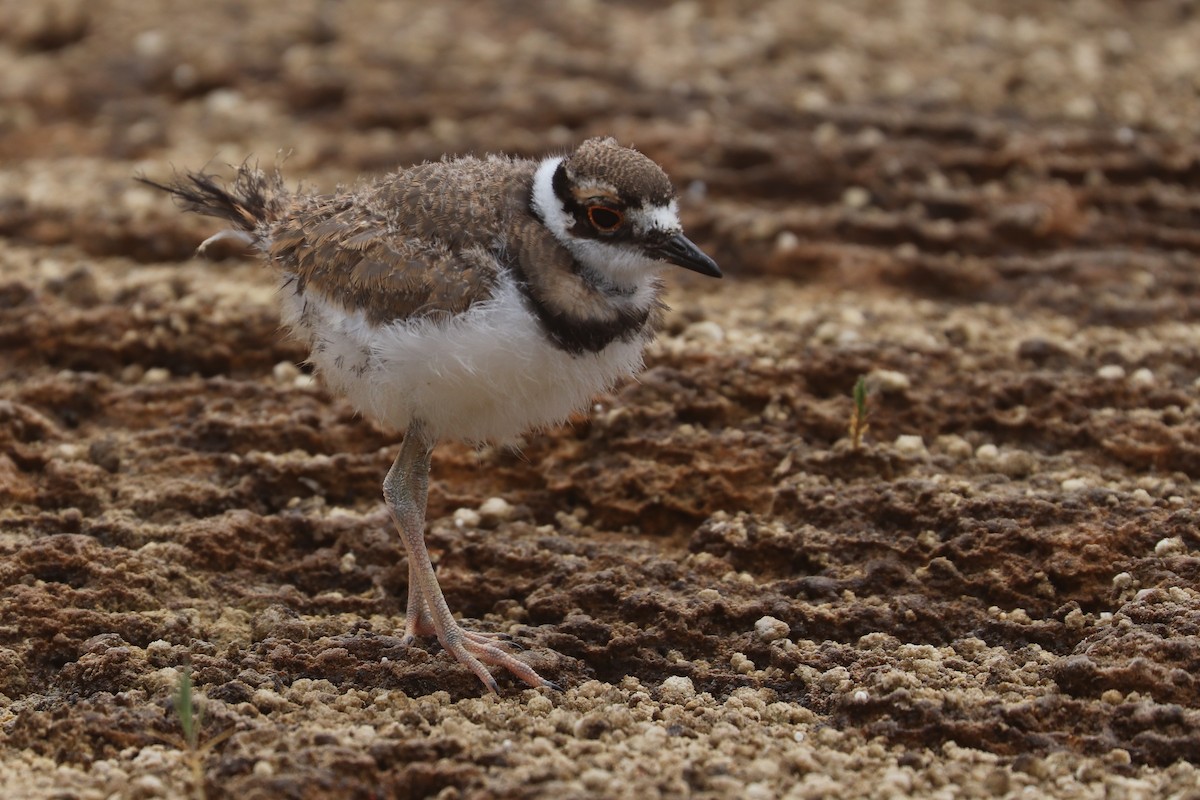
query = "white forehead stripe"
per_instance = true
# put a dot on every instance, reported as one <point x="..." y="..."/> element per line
<point x="657" y="218"/>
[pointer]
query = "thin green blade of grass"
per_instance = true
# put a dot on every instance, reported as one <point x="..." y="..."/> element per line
<point x="185" y="708"/>
<point x="858" y="419"/>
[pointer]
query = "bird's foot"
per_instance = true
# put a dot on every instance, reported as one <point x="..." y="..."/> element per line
<point x="474" y="649"/>
<point x="421" y="625"/>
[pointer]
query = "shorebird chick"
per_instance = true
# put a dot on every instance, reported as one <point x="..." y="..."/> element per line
<point x="470" y="299"/>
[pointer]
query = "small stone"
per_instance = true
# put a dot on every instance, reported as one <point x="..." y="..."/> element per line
<point x="677" y="689"/>
<point x="954" y="446"/>
<point x="1111" y="372"/>
<point x="155" y="375"/>
<point x="1017" y="464"/>
<point x="467" y="518"/>
<point x="856" y="197"/>
<point x="888" y="381"/>
<point x="770" y="629"/>
<point x="1141" y="497"/>
<point x="68" y="452"/>
<point x="1170" y="547"/>
<point x="911" y="445"/>
<point x="704" y="331"/>
<point x="1074" y="484"/>
<point x="987" y="453"/>
<point x="494" y="511"/>
<point x="1118" y="757"/>
<point x="285" y="371"/>
<point x="1123" y="580"/>
<point x="741" y="664"/>
<point x="1142" y="377"/>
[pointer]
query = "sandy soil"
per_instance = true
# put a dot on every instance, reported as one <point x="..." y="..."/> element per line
<point x="990" y="209"/>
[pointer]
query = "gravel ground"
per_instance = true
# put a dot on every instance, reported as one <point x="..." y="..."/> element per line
<point x="991" y="210"/>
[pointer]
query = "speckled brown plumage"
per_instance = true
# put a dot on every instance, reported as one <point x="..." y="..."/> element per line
<point x="421" y="242"/>
<point x="635" y="178"/>
<point x="431" y="240"/>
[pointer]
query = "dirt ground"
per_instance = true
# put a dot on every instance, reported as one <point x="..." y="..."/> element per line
<point x="990" y="209"/>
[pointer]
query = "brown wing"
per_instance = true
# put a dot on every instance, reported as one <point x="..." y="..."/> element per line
<point x="353" y="256"/>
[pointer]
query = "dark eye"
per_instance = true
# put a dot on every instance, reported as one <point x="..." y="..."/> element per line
<point x="604" y="218"/>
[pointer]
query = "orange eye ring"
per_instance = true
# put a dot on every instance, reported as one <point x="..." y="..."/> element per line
<point x="605" y="219"/>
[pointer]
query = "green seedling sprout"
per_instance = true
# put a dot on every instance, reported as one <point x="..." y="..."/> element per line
<point x="189" y="715"/>
<point x="858" y="418"/>
<point x="191" y="720"/>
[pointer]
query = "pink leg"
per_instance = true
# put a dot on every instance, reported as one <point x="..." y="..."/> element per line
<point x="406" y="491"/>
<point x="419" y="623"/>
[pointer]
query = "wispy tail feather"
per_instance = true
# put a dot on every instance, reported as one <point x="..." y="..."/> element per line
<point x="254" y="197"/>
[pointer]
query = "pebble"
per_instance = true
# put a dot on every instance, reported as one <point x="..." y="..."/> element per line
<point x="495" y="510"/>
<point x="911" y="445"/>
<point x="1142" y="377"/>
<point x="888" y="381"/>
<point x="856" y="197"/>
<point x="955" y="446"/>
<point x="155" y="375"/>
<point x="741" y="664"/>
<point x="987" y="453"/>
<point x="1111" y="372"/>
<point x="785" y="241"/>
<point x="677" y="689"/>
<point x="704" y="331"/>
<point x="1170" y="547"/>
<point x="770" y="629"/>
<point x="285" y="371"/>
<point x="467" y="518"/>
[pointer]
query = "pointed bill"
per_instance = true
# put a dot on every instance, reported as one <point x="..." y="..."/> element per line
<point x="682" y="252"/>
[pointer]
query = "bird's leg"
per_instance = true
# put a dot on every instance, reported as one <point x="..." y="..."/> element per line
<point x="406" y="491"/>
<point x="417" y="621"/>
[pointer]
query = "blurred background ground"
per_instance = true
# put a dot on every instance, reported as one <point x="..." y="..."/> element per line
<point x="989" y="209"/>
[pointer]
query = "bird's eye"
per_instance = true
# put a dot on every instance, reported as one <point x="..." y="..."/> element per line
<point x="604" y="218"/>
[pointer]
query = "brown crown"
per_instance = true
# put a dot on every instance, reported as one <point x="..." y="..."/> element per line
<point x="636" y="178"/>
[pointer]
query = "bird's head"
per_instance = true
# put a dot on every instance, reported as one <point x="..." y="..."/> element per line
<point x="616" y="211"/>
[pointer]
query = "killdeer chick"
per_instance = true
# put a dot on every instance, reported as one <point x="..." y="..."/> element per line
<point x="470" y="299"/>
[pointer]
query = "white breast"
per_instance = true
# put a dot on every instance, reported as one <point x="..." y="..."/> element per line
<point x="488" y="374"/>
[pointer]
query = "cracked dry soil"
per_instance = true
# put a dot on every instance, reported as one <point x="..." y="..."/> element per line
<point x="989" y="209"/>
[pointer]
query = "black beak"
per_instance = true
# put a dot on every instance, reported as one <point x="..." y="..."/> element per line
<point x="682" y="252"/>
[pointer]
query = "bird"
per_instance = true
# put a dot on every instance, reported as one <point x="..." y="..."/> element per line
<point x="470" y="298"/>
